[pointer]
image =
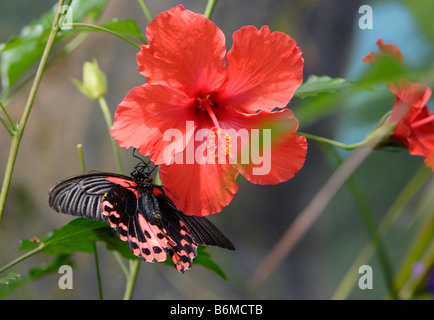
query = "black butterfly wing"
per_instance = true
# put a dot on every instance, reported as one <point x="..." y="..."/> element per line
<point x="82" y="195"/>
<point x="114" y="199"/>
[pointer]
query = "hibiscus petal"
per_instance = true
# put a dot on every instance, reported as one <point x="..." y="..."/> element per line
<point x="200" y="189"/>
<point x="415" y="122"/>
<point x="186" y="52"/>
<point x="277" y="153"/>
<point x="144" y="120"/>
<point x="264" y="70"/>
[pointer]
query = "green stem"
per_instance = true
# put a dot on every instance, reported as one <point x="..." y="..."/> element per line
<point x="131" y="279"/>
<point x="11" y="132"/>
<point x="99" y="28"/>
<point x="12" y="128"/>
<point x="109" y="121"/>
<point x="370" y="225"/>
<point x="23" y="257"/>
<point x="98" y="275"/>
<point x="145" y="10"/>
<point x="333" y="142"/>
<point x="419" y="245"/>
<point x="307" y="217"/>
<point x="209" y="8"/>
<point x="408" y="291"/>
<point x="121" y="263"/>
<point x="80" y="155"/>
<point x="16" y="138"/>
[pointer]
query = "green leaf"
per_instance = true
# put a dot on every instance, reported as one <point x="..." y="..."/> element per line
<point x="79" y="235"/>
<point x="385" y="69"/>
<point x="127" y="27"/>
<point x="204" y="259"/>
<point x="21" y="52"/>
<point x="11" y="276"/>
<point x="316" y="85"/>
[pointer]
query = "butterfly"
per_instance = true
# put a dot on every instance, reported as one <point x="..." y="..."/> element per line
<point x="141" y="213"/>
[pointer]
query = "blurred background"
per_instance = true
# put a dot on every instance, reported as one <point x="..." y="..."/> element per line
<point x="332" y="43"/>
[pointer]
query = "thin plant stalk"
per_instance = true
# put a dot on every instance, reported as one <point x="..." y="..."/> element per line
<point x="18" y="134"/>
<point x="333" y="142"/>
<point x="131" y="279"/>
<point x="350" y="278"/>
<point x="98" y="273"/>
<point x="313" y="210"/>
<point x="99" y="28"/>
<point x="145" y="10"/>
<point x="370" y="224"/>
<point x="210" y="8"/>
<point x="23" y="257"/>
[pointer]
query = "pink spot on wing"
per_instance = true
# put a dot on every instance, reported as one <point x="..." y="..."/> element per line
<point x="130" y="185"/>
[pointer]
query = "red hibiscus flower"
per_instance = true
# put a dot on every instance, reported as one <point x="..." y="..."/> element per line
<point x="414" y="121"/>
<point x="204" y="118"/>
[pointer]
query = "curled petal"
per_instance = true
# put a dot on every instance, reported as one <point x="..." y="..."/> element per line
<point x="264" y="70"/>
<point x="144" y="120"/>
<point x="277" y="153"/>
<point x="186" y="52"/>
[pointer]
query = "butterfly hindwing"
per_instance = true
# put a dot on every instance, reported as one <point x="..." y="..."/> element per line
<point x="187" y="232"/>
<point x="203" y="231"/>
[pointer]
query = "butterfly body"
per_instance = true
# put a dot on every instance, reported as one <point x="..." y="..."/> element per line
<point x="141" y="212"/>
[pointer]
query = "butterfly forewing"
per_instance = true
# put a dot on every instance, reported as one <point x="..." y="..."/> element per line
<point x="80" y="195"/>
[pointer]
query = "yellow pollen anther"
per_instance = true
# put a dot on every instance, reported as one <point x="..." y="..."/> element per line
<point x="219" y="142"/>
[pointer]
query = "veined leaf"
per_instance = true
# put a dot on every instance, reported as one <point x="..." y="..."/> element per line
<point x="204" y="259"/>
<point x="21" y="52"/>
<point x="316" y="85"/>
<point x="79" y="235"/>
<point x="127" y="27"/>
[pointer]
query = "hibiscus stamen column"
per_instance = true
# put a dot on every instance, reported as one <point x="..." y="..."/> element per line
<point x="218" y="140"/>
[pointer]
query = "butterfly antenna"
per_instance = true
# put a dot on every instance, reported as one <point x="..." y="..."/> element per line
<point x="136" y="156"/>
<point x="144" y="164"/>
<point x="173" y="193"/>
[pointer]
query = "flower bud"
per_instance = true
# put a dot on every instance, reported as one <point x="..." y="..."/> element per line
<point x="94" y="84"/>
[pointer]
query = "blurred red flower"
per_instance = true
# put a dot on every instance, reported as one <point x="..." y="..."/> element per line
<point x="386" y="49"/>
<point x="414" y="121"/>
<point x="198" y="111"/>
